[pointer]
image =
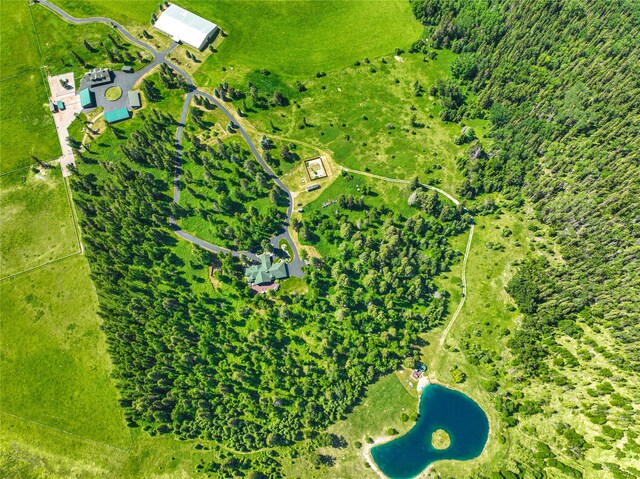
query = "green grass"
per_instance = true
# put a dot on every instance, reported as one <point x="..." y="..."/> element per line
<point x="286" y="247"/>
<point x="36" y="224"/>
<point x="60" y="39"/>
<point x="24" y="114"/>
<point x="123" y="11"/>
<point x="18" y="47"/>
<point x="113" y="93"/>
<point x="54" y="363"/>
<point x="368" y="125"/>
<point x="292" y="38"/>
<point x="304" y="37"/>
<point x="379" y="410"/>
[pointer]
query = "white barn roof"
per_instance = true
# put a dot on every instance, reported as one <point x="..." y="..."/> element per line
<point x="184" y="26"/>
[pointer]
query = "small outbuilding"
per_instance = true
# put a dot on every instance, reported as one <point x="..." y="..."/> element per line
<point x="134" y="99"/>
<point x="183" y="26"/>
<point x="127" y="69"/>
<point x="115" y="116"/>
<point x="52" y="107"/>
<point x="313" y="187"/>
<point x="60" y="105"/>
<point x="87" y="98"/>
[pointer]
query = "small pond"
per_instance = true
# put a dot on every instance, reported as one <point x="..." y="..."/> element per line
<point x="440" y="409"/>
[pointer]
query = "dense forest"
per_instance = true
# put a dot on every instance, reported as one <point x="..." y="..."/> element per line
<point x="559" y="82"/>
<point x="221" y="363"/>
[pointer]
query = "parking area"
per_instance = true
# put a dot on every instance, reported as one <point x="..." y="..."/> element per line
<point x="63" y="93"/>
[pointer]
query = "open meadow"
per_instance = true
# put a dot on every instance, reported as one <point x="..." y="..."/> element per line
<point x="24" y="114"/>
<point x="371" y="116"/>
<point x="36" y="224"/>
<point x="291" y="38"/>
<point x="54" y="360"/>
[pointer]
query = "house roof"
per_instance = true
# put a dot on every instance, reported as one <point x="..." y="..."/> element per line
<point x="279" y="270"/>
<point x="266" y="271"/>
<point x="184" y="26"/>
<point x="117" y="115"/>
<point x="265" y="260"/>
<point x="263" y="277"/>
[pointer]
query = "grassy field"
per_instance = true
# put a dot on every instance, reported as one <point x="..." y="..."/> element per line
<point x="24" y="113"/>
<point x="62" y="41"/>
<point x="292" y="38"/>
<point x="36" y="224"/>
<point x="374" y="122"/>
<point x="18" y="47"/>
<point x="55" y="366"/>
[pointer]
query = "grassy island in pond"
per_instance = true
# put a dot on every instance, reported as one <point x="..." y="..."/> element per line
<point x="440" y="439"/>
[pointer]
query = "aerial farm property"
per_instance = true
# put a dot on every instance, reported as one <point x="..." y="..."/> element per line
<point x="344" y="240"/>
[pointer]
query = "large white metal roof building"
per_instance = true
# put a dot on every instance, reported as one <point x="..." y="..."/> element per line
<point x="186" y="27"/>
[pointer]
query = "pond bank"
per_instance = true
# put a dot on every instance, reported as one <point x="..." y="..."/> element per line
<point x="410" y="455"/>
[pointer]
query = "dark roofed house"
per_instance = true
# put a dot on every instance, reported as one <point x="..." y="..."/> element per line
<point x="98" y="76"/>
<point x="134" y="99"/>
<point x="266" y="272"/>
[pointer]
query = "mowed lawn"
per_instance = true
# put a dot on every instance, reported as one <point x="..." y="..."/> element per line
<point x="36" y="225"/>
<point x="55" y="368"/>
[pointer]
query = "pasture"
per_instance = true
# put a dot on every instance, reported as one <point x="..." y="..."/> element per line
<point x="54" y="360"/>
<point x="18" y="47"/>
<point x="36" y="225"/>
<point x="24" y="114"/>
<point x="368" y="117"/>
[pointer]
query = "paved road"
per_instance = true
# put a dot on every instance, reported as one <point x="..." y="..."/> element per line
<point x="295" y="267"/>
<point x="104" y="20"/>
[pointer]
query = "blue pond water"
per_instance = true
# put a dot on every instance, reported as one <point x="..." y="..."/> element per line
<point x="440" y="408"/>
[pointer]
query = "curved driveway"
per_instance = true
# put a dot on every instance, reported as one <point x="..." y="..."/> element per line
<point x="296" y="265"/>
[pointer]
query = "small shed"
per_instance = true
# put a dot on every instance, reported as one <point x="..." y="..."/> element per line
<point x="87" y="98"/>
<point x="60" y="105"/>
<point x="127" y="69"/>
<point x="313" y="187"/>
<point x="115" y="116"/>
<point x="52" y="107"/>
<point x="134" y="99"/>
